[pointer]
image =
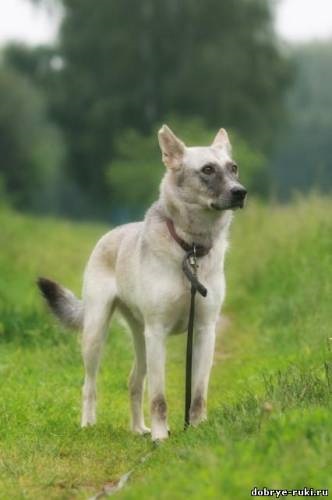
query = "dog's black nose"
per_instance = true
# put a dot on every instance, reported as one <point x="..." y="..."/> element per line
<point x="239" y="193"/>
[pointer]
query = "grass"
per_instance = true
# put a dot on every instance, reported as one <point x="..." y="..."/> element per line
<point x="270" y="420"/>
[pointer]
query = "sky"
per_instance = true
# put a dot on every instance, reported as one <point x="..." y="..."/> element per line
<point x="19" y="20"/>
<point x="297" y="20"/>
<point x="301" y="20"/>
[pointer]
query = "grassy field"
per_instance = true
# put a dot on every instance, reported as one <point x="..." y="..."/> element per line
<point x="270" y="419"/>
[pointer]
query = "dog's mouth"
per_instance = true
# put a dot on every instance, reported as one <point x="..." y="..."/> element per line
<point x="231" y="206"/>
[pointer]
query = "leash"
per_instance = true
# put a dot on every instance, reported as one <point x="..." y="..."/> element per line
<point x="189" y="267"/>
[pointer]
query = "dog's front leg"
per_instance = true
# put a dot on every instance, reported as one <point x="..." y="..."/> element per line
<point x="202" y="363"/>
<point x="155" y="355"/>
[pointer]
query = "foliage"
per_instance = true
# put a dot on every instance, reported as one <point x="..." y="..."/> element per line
<point x="135" y="175"/>
<point x="270" y="401"/>
<point x="126" y="65"/>
<point x="36" y="63"/>
<point x="40" y="68"/>
<point x="303" y="158"/>
<point x="31" y="148"/>
<point x="216" y="60"/>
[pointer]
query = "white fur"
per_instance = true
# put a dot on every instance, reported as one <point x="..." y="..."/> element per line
<point x="136" y="268"/>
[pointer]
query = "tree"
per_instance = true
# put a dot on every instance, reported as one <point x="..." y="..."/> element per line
<point x="128" y="64"/>
<point x="31" y="148"/>
<point x="303" y="159"/>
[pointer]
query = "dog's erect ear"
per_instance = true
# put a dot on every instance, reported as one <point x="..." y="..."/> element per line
<point x="221" y="140"/>
<point x="171" y="147"/>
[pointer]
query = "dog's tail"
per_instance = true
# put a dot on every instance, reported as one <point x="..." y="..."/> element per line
<point x="62" y="302"/>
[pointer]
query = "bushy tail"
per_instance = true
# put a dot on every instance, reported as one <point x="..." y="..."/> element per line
<point x="64" y="304"/>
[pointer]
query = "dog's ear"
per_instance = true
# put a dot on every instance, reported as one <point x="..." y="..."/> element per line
<point x="171" y="147"/>
<point x="222" y="141"/>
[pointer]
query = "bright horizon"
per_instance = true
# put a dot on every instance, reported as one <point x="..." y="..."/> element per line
<point x="296" y="21"/>
<point x="304" y="20"/>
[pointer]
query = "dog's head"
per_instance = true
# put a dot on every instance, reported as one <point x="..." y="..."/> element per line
<point x="204" y="176"/>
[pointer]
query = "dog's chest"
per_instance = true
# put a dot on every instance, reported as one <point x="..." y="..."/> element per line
<point x="175" y="314"/>
<point x="158" y="294"/>
<point x="154" y="288"/>
<point x="167" y="294"/>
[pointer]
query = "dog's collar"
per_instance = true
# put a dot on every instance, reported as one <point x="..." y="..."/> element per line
<point x="200" y="250"/>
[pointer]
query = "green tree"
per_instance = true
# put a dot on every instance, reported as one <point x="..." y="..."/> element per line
<point x="31" y="149"/>
<point x="128" y="64"/>
<point x="303" y="160"/>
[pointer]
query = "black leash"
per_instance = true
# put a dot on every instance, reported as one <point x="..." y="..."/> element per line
<point x="189" y="267"/>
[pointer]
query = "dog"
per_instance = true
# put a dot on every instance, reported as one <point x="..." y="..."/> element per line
<point x="136" y="269"/>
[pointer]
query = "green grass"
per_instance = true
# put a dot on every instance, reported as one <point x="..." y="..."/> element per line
<point x="270" y="419"/>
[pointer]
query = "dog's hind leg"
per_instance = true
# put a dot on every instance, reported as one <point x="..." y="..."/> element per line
<point x="98" y="308"/>
<point x="137" y="379"/>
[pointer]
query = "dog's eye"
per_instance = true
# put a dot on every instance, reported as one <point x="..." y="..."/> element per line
<point x="208" y="169"/>
<point x="233" y="168"/>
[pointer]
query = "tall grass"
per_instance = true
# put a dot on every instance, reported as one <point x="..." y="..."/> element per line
<point x="270" y="421"/>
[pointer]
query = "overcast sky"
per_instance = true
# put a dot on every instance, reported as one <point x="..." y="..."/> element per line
<point x="297" y="20"/>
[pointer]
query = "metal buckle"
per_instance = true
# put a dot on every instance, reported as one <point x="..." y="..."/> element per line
<point x="193" y="259"/>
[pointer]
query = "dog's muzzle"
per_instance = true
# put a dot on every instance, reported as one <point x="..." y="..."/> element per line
<point x="238" y="195"/>
<point x="236" y="199"/>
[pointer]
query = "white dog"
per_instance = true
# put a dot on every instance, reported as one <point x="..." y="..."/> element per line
<point x="136" y="268"/>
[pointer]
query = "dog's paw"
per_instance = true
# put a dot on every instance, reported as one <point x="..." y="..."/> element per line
<point x="160" y="435"/>
<point x="142" y="430"/>
<point x="158" y="441"/>
<point x="197" y="420"/>
<point x="88" y="422"/>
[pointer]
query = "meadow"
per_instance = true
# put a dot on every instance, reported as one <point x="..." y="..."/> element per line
<point x="270" y="419"/>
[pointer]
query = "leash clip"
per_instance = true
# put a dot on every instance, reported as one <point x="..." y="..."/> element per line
<point x="193" y="259"/>
<point x="189" y="267"/>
